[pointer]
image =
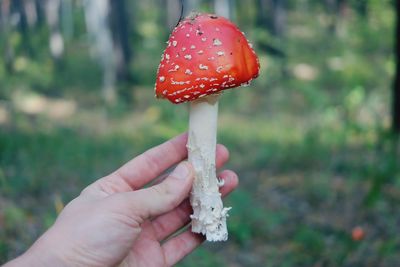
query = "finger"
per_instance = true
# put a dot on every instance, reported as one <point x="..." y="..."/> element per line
<point x="145" y="167"/>
<point x="169" y="223"/>
<point x="142" y="169"/>
<point x="117" y="183"/>
<point x="222" y="157"/>
<point x="163" y="197"/>
<point x="178" y="247"/>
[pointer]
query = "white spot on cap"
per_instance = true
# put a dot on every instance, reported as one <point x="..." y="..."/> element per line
<point x="174" y="43"/>
<point x="217" y="42"/>
<point x="204" y="39"/>
<point x="219" y="69"/>
<point x="211" y="58"/>
<point x="202" y="86"/>
<point x="200" y="52"/>
<point x="203" y="67"/>
<point x="192" y="47"/>
<point x="186" y="96"/>
<point x="162" y="78"/>
<point x="174" y="69"/>
<point x="189" y="72"/>
<point x="188" y="57"/>
<point x="167" y="56"/>
<point x="220" y="53"/>
<point x="183" y="48"/>
<point x="187" y="35"/>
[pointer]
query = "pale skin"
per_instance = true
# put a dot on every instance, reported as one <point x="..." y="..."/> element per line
<point x="117" y="222"/>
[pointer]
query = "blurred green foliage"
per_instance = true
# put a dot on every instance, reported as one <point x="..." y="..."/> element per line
<point x="309" y="139"/>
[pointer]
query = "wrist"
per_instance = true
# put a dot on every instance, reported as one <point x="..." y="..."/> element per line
<point x="43" y="253"/>
<point x="41" y="257"/>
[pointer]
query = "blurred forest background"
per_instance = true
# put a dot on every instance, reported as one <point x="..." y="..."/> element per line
<point x="313" y="139"/>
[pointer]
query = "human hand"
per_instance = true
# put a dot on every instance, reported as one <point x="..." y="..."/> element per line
<point x="115" y="221"/>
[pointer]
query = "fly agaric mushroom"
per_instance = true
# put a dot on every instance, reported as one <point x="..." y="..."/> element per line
<point x="205" y="55"/>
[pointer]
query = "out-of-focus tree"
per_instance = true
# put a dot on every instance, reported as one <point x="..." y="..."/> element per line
<point x="222" y="8"/>
<point x="56" y="40"/>
<point x="39" y="12"/>
<point x="271" y="18"/>
<point x="190" y="5"/>
<point x="396" y="85"/>
<point x="96" y="16"/>
<point x="5" y="27"/>
<point x="67" y="19"/>
<point x="337" y="11"/>
<point x="120" y="32"/>
<point x="31" y="12"/>
<point x="172" y="10"/>
<point x="19" y="8"/>
<point x="271" y="14"/>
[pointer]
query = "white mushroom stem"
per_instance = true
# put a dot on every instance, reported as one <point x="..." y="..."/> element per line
<point x="209" y="214"/>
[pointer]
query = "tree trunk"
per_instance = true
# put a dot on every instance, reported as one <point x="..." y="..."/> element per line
<point x="279" y="17"/>
<point x="173" y="10"/>
<point x="96" y="16"/>
<point x="31" y="12"/>
<point x="56" y="40"/>
<point x="396" y="85"/>
<point x="67" y="19"/>
<point x="8" y="52"/>
<point x="120" y="30"/>
<point x="189" y="6"/>
<point x="222" y="8"/>
<point x="23" y="25"/>
<point x="263" y="20"/>
<point x="272" y="15"/>
<point x="39" y="12"/>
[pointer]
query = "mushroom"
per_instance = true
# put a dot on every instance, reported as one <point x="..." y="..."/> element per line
<point x="206" y="54"/>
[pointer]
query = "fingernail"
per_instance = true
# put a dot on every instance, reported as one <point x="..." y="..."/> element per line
<point x="182" y="171"/>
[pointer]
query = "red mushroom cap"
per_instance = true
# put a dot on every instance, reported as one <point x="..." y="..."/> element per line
<point x="205" y="55"/>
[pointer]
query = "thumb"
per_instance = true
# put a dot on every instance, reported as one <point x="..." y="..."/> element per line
<point x="165" y="196"/>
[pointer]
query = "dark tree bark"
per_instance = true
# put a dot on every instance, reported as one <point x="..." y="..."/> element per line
<point x="8" y="52"/>
<point x="120" y="31"/>
<point x="19" y="7"/>
<point x="396" y="85"/>
<point x="39" y="4"/>
<point x="279" y="17"/>
<point x="271" y="14"/>
<point x="263" y="19"/>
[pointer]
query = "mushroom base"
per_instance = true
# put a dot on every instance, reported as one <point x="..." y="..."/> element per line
<point x="209" y="215"/>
